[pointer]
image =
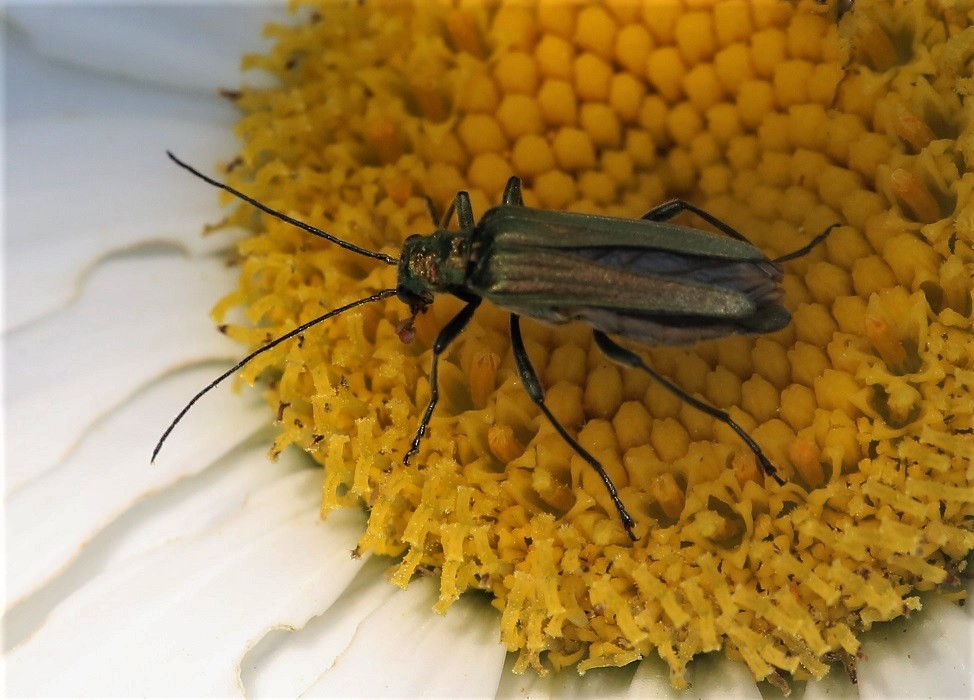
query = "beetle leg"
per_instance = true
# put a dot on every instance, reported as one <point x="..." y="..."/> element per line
<point x="619" y="354"/>
<point x="446" y="336"/>
<point x="668" y="210"/>
<point x="461" y="205"/>
<point x="447" y="215"/>
<point x="807" y="248"/>
<point x="464" y="211"/>
<point x="512" y="192"/>
<point x="532" y="385"/>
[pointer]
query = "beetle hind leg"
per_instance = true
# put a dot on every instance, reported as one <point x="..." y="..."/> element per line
<point x="620" y="355"/>
<point x="807" y="248"/>
<point x="667" y="210"/>
<point x="532" y="385"/>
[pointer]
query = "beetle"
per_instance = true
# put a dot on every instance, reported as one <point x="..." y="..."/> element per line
<point x="646" y="280"/>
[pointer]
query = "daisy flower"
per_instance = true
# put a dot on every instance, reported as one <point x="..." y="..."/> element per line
<point x="212" y="572"/>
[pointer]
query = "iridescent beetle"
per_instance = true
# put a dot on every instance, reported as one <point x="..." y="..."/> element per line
<point x="641" y="279"/>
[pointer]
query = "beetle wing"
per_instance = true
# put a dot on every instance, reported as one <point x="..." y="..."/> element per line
<point x="647" y="292"/>
<point x="563" y="279"/>
<point x="527" y="227"/>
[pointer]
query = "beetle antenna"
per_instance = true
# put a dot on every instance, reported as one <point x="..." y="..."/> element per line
<point x="378" y="296"/>
<point x="387" y="259"/>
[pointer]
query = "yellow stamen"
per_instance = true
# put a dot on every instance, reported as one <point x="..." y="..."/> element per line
<point x="745" y="468"/>
<point x="483" y="373"/>
<point x="914" y="130"/>
<point x="772" y="119"/>
<point x="384" y="138"/>
<point x="465" y="32"/>
<point x="878" y="46"/>
<point x="885" y="341"/>
<point x="503" y="444"/>
<point x="668" y="495"/>
<point x="915" y="194"/>
<point x="804" y="455"/>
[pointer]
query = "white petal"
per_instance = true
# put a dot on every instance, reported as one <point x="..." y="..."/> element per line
<point x="86" y="178"/>
<point x="287" y="662"/>
<point x="716" y="676"/>
<point x="82" y="189"/>
<point x="39" y="87"/>
<point x="929" y="655"/>
<point x="87" y="175"/>
<point x="54" y="515"/>
<point x="835" y="685"/>
<point x="405" y="650"/>
<point x="176" y="45"/>
<point x="652" y="680"/>
<point x="177" y="620"/>
<point x="597" y="683"/>
<point x="528" y="685"/>
<point x="140" y="317"/>
<point x="192" y="507"/>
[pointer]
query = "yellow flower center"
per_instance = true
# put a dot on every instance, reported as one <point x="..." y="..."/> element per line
<point x="769" y="115"/>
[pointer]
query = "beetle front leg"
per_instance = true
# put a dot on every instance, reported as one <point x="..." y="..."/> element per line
<point x="446" y="336"/>
<point x="461" y="205"/>
<point x="532" y="385"/>
<point x="464" y="212"/>
<point x="620" y="355"/>
<point x="512" y="192"/>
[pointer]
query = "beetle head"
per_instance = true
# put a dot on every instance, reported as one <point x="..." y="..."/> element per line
<point x="417" y="274"/>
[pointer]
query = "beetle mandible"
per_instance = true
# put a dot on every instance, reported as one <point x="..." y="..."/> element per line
<point x="645" y="280"/>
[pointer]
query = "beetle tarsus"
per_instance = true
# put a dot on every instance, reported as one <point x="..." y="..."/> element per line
<point x="770" y="469"/>
<point x="414" y="447"/>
